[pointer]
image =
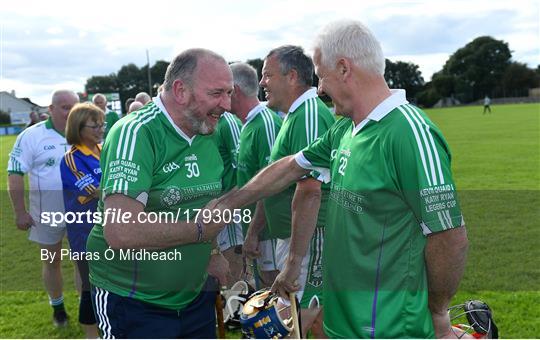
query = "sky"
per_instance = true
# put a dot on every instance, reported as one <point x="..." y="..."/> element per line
<point x="47" y="45"/>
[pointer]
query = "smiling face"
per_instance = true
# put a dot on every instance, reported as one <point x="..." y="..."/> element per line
<point x="275" y="85"/>
<point x="92" y="131"/>
<point x="331" y="83"/>
<point x="62" y="103"/>
<point x="210" y="95"/>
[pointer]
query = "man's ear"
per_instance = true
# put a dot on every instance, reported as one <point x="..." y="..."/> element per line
<point x="292" y="76"/>
<point x="344" y="68"/>
<point x="237" y="91"/>
<point x="180" y="91"/>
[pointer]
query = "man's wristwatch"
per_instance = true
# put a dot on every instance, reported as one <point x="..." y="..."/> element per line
<point x="215" y="251"/>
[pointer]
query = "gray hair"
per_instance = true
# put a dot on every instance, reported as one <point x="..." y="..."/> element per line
<point x="97" y="95"/>
<point x="143" y="97"/>
<point x="350" y="39"/>
<point x="183" y="66"/>
<point x="245" y="76"/>
<point x="293" y="57"/>
<point x="58" y="93"/>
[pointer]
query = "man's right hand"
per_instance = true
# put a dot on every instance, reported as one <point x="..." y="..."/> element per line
<point x="23" y="220"/>
<point x="250" y="248"/>
<point x="287" y="280"/>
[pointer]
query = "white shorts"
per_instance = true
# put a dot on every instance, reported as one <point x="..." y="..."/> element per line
<point x="46" y="235"/>
<point x="230" y="236"/>
<point x="310" y="279"/>
<point x="267" y="262"/>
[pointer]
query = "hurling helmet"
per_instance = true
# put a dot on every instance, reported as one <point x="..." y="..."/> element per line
<point x="475" y="318"/>
<point x="262" y="317"/>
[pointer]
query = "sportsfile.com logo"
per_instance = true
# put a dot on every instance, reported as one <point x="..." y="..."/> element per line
<point x="113" y="215"/>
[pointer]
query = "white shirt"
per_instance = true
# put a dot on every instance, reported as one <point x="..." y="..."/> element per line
<point x="38" y="152"/>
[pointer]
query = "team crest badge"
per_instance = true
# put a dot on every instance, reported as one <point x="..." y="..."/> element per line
<point x="171" y="196"/>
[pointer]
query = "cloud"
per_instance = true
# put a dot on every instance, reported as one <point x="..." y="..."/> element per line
<point x="46" y="45"/>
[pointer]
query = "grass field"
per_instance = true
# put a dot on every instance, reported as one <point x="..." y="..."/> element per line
<point x="496" y="164"/>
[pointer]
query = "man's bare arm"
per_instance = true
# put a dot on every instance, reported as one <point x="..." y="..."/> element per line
<point x="269" y="181"/>
<point x="23" y="220"/>
<point x="445" y="256"/>
<point x="136" y="235"/>
<point x="250" y="247"/>
<point x="305" y="209"/>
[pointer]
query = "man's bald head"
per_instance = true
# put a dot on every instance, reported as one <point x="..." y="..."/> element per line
<point x="143" y="98"/>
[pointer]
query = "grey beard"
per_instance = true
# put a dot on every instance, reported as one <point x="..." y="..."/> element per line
<point x="199" y="127"/>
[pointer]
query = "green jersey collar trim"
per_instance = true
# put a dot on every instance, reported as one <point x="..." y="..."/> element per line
<point x="309" y="94"/>
<point x="182" y="134"/>
<point x="397" y="98"/>
<point x="49" y="125"/>
<point x="254" y="112"/>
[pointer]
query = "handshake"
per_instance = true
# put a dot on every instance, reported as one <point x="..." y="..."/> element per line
<point x="216" y="215"/>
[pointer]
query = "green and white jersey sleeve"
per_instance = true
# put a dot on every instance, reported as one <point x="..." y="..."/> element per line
<point x="256" y="140"/>
<point x="227" y="135"/>
<point x="308" y="118"/>
<point x="421" y="159"/>
<point x="127" y="159"/>
<point x="319" y="155"/>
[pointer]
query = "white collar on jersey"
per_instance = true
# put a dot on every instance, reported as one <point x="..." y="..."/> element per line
<point x="397" y="98"/>
<point x="159" y="104"/>
<point x="311" y="93"/>
<point x="254" y="112"/>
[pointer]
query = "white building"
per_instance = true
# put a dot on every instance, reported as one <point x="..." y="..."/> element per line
<point x="18" y="108"/>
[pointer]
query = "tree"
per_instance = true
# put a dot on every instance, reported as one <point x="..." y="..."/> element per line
<point x="404" y="75"/>
<point x="517" y="80"/>
<point x="478" y="67"/>
<point x="428" y="96"/>
<point x="102" y="84"/>
<point x="5" y="118"/>
<point x="158" y="72"/>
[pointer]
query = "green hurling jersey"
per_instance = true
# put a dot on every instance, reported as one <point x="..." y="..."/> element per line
<point x="111" y="118"/>
<point x="391" y="185"/>
<point x="148" y="158"/>
<point x="227" y="135"/>
<point x="308" y="119"/>
<point x="256" y="140"/>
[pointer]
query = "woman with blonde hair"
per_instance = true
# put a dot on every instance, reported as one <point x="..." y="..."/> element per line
<point x="81" y="175"/>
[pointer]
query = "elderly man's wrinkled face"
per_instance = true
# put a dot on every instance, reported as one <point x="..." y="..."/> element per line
<point x="210" y="95"/>
<point x="330" y="84"/>
<point x="101" y="102"/>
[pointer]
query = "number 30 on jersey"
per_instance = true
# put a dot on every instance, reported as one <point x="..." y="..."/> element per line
<point x="192" y="169"/>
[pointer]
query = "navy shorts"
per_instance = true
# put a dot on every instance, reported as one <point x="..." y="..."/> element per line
<point x="123" y="317"/>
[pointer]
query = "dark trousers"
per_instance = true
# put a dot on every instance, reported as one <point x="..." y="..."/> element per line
<point x="123" y="317"/>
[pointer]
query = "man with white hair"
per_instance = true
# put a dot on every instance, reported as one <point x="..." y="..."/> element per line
<point x="38" y="152"/>
<point x="395" y="245"/>
<point x="111" y="117"/>
<point x="143" y="98"/>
